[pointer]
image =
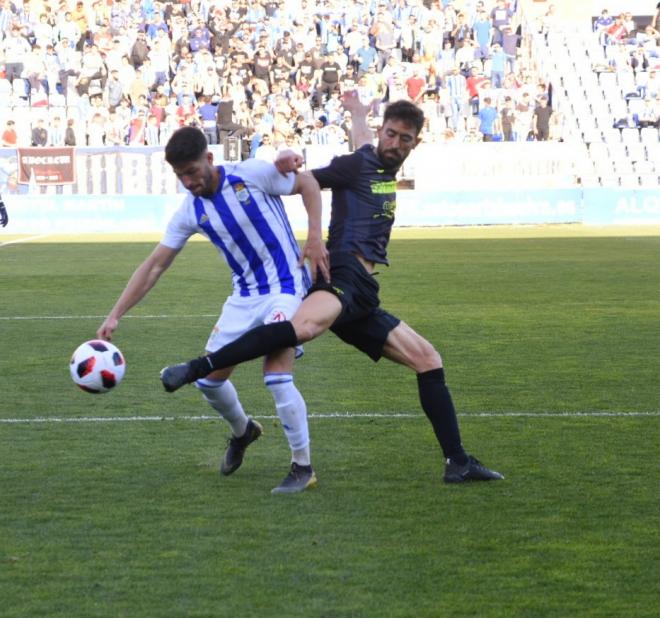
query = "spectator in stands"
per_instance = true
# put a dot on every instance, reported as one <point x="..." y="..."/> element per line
<point x="649" y="114"/>
<point x="96" y="130"/>
<point x="9" y="137"/>
<point x="15" y="49"/>
<point x="523" y="120"/>
<point x="56" y="132"/>
<point x="617" y="32"/>
<point x="152" y="131"/>
<point x="475" y="83"/>
<point x="415" y="85"/>
<point x="458" y="96"/>
<point x="266" y="151"/>
<point x="114" y="90"/>
<point x="70" y="133"/>
<point x="651" y="87"/>
<point x="137" y="128"/>
<point x="500" y="16"/>
<point x="508" y="119"/>
<point x="39" y="134"/>
<point x="488" y="120"/>
<point x="541" y="120"/>
<point x="329" y="73"/>
<point x="602" y="23"/>
<point x="498" y="60"/>
<point x="482" y="33"/>
<point x="208" y="111"/>
<point x="510" y="42"/>
<point x="140" y="50"/>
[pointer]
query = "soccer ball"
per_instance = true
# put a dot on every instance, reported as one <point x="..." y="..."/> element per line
<point x="97" y="366"/>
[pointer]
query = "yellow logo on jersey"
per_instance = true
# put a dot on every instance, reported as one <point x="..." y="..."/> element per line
<point x="203" y="219"/>
<point x="385" y="186"/>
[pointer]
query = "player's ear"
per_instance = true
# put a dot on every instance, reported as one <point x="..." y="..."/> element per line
<point x="209" y="157"/>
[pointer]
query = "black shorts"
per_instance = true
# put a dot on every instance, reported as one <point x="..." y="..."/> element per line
<point x="361" y="323"/>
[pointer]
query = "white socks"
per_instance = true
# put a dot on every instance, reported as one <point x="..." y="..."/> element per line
<point x="289" y="403"/>
<point x="292" y="412"/>
<point x="223" y="398"/>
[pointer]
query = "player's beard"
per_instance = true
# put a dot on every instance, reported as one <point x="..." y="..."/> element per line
<point x="391" y="158"/>
<point x="207" y="188"/>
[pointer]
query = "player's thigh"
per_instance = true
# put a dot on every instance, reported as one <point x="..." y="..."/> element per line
<point x="407" y="347"/>
<point x="282" y="307"/>
<point x="316" y="314"/>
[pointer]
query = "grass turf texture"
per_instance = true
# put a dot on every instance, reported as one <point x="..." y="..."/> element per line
<point x="133" y="519"/>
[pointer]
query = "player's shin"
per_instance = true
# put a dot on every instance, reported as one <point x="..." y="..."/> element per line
<point x="223" y="398"/>
<point x="292" y="412"/>
<point x="439" y="408"/>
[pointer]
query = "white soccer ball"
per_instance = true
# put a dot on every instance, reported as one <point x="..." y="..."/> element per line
<point x="97" y="366"/>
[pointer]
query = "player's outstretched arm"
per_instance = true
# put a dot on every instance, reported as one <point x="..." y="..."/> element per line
<point x="288" y="161"/>
<point x="141" y="281"/>
<point x="4" y="217"/>
<point x="360" y="131"/>
<point x="314" y="249"/>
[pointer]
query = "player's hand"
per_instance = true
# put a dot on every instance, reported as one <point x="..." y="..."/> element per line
<point x="288" y="161"/>
<point x="4" y="217"/>
<point x="318" y="256"/>
<point x="351" y="103"/>
<point x="107" y="328"/>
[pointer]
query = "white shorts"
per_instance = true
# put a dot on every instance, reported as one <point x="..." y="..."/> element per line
<point x="240" y="314"/>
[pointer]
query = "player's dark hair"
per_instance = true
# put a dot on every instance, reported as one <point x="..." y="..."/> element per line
<point x="185" y="145"/>
<point x="407" y="112"/>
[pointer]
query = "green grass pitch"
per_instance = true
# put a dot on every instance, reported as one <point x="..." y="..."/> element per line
<point x="551" y="348"/>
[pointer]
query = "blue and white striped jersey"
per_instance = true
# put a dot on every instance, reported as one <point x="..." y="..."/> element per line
<point x="246" y="222"/>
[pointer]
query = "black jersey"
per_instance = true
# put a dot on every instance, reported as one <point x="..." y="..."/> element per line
<point x="363" y="203"/>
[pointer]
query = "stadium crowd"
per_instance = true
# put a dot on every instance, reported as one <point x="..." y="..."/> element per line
<point x="108" y="72"/>
<point x="632" y="52"/>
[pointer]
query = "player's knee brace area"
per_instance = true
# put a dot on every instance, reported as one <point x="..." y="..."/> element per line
<point x="209" y="388"/>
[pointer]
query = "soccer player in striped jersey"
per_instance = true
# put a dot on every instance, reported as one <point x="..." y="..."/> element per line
<point x="237" y="206"/>
<point x="363" y="187"/>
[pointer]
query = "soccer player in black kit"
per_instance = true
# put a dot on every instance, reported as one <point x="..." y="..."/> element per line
<point x="363" y="187"/>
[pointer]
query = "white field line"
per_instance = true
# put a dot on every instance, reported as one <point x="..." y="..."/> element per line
<point x="331" y="415"/>
<point x="102" y="317"/>
<point x="27" y="239"/>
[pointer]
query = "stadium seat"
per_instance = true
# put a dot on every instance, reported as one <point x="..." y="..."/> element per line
<point x="20" y="91"/>
<point x="649" y="135"/>
<point x="649" y="181"/>
<point x="644" y="167"/>
<point x="5" y="92"/>
<point x="629" y="180"/>
<point x="612" y="135"/>
<point x="635" y="105"/>
<point x="629" y="136"/>
<point x="626" y="81"/>
<point x="636" y="151"/>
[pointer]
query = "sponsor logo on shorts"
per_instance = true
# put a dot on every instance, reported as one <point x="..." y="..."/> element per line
<point x="338" y="291"/>
<point x="278" y="316"/>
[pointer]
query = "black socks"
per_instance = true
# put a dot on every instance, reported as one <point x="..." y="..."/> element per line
<point x="439" y="408"/>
